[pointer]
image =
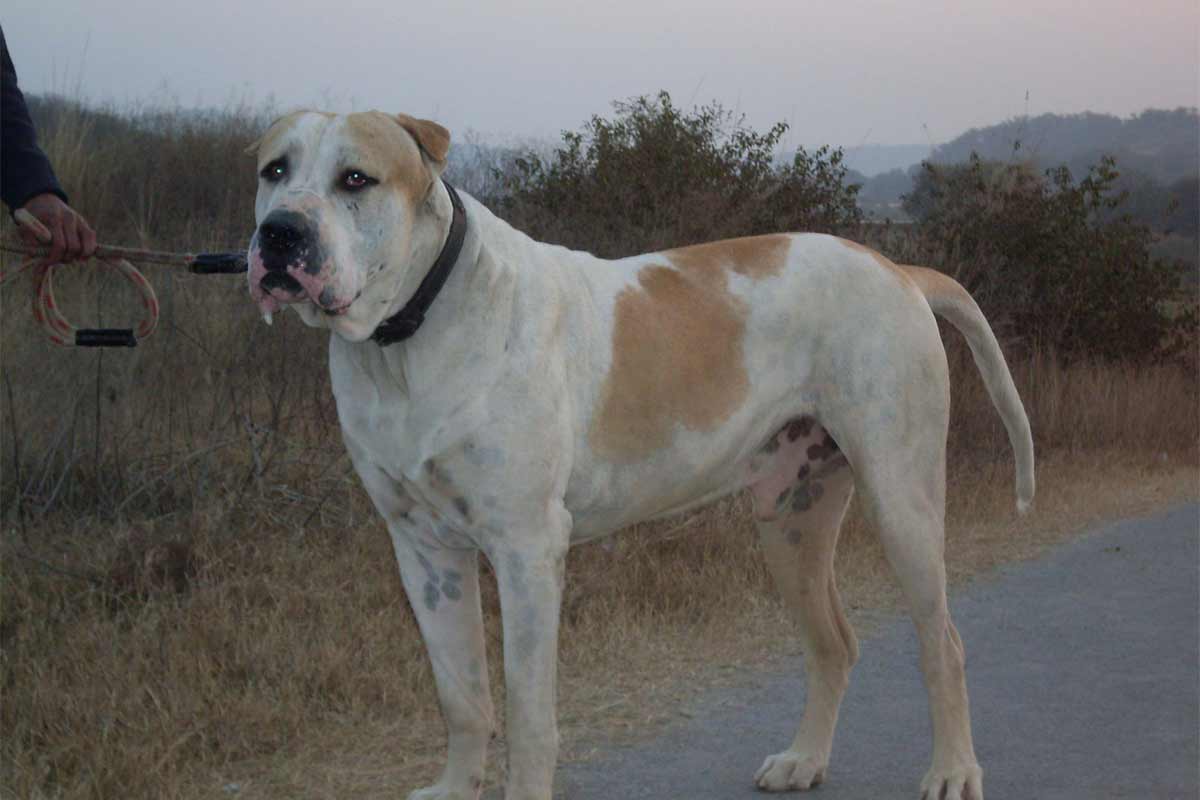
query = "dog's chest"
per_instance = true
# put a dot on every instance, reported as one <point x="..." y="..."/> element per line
<point x="430" y="462"/>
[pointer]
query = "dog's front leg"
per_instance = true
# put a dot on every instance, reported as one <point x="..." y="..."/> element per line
<point x="443" y="588"/>
<point x="530" y="580"/>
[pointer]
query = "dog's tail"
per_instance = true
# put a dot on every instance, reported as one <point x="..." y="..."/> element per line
<point x="950" y="300"/>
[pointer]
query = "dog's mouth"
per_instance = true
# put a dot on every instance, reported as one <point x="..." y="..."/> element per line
<point x="279" y="289"/>
<point x="282" y="287"/>
<point x="272" y="289"/>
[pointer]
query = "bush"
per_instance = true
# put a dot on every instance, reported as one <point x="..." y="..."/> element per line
<point x="655" y="176"/>
<point x="1048" y="257"/>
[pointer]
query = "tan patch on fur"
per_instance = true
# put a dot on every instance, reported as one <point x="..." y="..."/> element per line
<point x="752" y="256"/>
<point x="677" y="360"/>
<point x="883" y="260"/>
<point x="389" y="153"/>
<point x="935" y="284"/>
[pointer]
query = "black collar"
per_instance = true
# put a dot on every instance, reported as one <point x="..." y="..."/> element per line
<point x="405" y="322"/>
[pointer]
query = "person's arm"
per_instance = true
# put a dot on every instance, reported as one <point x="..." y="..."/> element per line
<point x="25" y="171"/>
<point x="26" y="178"/>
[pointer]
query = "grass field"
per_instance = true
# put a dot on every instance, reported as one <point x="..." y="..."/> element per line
<point x="257" y="634"/>
<point x="198" y="600"/>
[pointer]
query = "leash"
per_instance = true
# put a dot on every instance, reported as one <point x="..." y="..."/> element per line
<point x="62" y="332"/>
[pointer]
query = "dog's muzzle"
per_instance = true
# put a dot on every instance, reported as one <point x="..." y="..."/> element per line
<point x="288" y="265"/>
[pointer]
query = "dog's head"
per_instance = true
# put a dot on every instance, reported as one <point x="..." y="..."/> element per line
<point x="338" y="212"/>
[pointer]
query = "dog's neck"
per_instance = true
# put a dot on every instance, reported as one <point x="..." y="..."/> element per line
<point x="459" y="328"/>
<point x="433" y="255"/>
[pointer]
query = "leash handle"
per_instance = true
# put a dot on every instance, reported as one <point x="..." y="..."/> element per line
<point x="105" y="337"/>
<point x="45" y="307"/>
<point x="62" y="332"/>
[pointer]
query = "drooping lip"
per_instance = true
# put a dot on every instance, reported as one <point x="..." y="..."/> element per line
<point x="272" y="289"/>
<point x="280" y="283"/>
<point x="277" y="290"/>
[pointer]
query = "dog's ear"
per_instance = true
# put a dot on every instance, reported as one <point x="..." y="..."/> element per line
<point x="433" y="139"/>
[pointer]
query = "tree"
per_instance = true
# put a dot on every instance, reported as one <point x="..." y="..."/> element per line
<point x="1184" y="215"/>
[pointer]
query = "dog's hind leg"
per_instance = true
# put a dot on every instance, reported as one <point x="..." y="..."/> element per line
<point x="798" y="529"/>
<point x="897" y="444"/>
<point x="907" y="506"/>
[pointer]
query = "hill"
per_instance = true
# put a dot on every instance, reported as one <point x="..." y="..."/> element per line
<point x="1163" y="145"/>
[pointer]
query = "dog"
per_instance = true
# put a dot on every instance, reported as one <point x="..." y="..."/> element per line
<point x="502" y="396"/>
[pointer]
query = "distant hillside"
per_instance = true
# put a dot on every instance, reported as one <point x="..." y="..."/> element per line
<point x="1157" y="153"/>
<point x="1160" y="144"/>
<point x="873" y="159"/>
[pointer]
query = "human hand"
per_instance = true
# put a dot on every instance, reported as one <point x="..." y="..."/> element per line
<point x="62" y="227"/>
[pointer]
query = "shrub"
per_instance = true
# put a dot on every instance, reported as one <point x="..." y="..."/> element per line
<point x="655" y="176"/>
<point x="1049" y="257"/>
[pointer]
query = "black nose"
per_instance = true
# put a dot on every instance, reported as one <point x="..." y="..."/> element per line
<point x="282" y="233"/>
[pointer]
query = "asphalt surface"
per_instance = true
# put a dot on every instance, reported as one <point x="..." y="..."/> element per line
<point x="1082" y="668"/>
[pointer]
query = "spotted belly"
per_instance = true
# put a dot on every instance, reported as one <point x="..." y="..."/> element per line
<point x="787" y="474"/>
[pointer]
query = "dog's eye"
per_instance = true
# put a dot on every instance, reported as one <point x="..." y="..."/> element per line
<point x="356" y="179"/>
<point x="274" y="171"/>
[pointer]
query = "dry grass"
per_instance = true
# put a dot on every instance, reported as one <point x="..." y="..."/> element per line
<point x="196" y="592"/>
<point x="283" y="657"/>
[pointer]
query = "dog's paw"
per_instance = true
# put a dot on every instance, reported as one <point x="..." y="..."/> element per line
<point x="440" y="791"/>
<point x="959" y="782"/>
<point x="788" y="771"/>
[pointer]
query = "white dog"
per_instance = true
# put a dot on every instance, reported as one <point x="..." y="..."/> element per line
<point x="506" y="397"/>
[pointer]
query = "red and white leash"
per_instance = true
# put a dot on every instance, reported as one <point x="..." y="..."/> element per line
<point x="62" y="332"/>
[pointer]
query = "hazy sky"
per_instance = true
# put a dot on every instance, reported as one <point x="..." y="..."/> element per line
<point x="848" y="72"/>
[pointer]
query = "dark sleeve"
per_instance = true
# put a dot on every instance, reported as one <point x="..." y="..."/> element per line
<point x="24" y="169"/>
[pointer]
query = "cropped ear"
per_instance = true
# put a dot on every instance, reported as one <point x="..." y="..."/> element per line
<point x="433" y="139"/>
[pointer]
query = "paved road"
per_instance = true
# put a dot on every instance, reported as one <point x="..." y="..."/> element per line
<point x="1083" y="672"/>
